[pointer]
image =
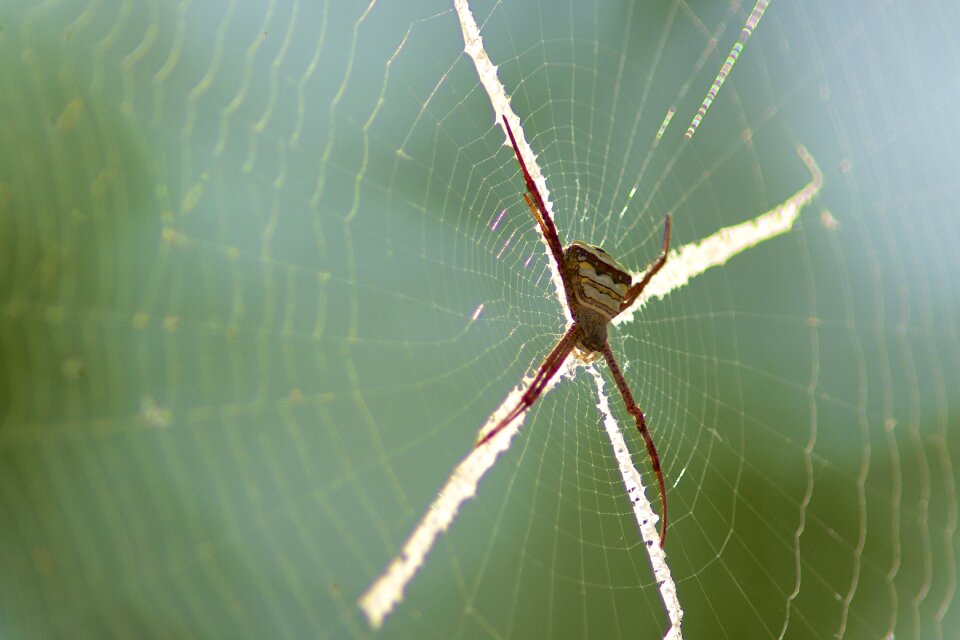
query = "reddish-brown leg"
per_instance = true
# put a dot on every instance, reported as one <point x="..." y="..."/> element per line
<point x="655" y="266"/>
<point x="540" y="212"/>
<point x="635" y="411"/>
<point x="544" y="229"/>
<point x="547" y="370"/>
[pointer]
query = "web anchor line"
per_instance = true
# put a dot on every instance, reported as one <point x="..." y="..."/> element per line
<point x="727" y="67"/>
<point x="684" y="263"/>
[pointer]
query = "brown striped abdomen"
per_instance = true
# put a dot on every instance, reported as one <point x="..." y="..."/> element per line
<point x="598" y="282"/>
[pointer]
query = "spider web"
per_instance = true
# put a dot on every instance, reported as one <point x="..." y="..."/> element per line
<point x="266" y="270"/>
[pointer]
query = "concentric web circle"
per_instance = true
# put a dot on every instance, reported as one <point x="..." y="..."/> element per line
<point x="266" y="270"/>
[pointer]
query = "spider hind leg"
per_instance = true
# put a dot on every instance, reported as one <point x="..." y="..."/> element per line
<point x="547" y="370"/>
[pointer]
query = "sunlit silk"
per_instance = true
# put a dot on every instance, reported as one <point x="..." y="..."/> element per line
<point x="731" y="60"/>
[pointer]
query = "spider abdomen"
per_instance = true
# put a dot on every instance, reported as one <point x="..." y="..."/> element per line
<point x="599" y="285"/>
<point x="599" y="282"/>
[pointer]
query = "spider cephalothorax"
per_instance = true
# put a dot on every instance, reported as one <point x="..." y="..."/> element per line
<point x="597" y="289"/>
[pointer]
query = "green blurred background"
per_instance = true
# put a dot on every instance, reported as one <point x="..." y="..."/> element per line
<point x="241" y="249"/>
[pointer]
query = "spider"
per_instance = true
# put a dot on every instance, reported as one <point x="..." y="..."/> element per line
<point x="597" y="289"/>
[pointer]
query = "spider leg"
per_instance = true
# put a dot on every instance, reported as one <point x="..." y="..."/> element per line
<point x="540" y="210"/>
<point x="545" y="373"/>
<point x="655" y="266"/>
<point x="635" y="411"/>
<point x="536" y="214"/>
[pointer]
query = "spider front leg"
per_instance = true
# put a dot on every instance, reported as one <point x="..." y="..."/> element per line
<point x="637" y="414"/>
<point x="537" y="206"/>
<point x="652" y="270"/>
<point x="545" y="373"/>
